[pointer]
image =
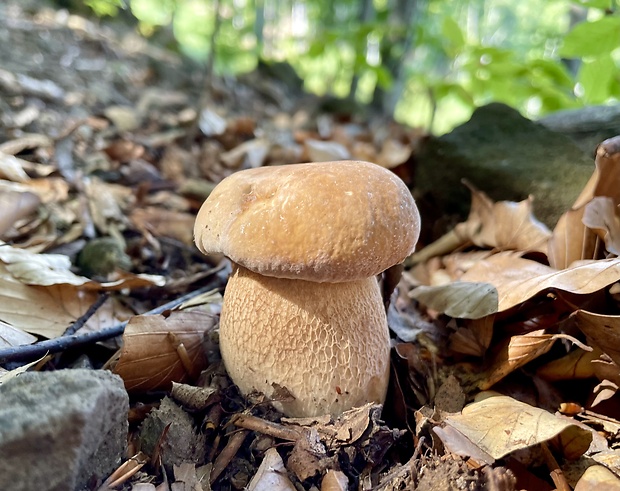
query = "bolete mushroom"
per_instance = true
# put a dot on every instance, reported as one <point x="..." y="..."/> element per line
<point x="303" y="308"/>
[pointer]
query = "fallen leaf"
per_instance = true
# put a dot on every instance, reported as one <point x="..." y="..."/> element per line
<point x="271" y="474"/>
<point x="12" y="168"/>
<point x="465" y="300"/>
<point x="517" y="279"/>
<point x="601" y="216"/>
<point x="249" y="154"/>
<point x="15" y="206"/>
<point x="165" y="223"/>
<point x="504" y="225"/>
<point x="515" y="352"/>
<point x="602" y="330"/>
<point x="575" y="365"/>
<point x="572" y="240"/>
<point x="11" y="336"/>
<point x="159" y="350"/>
<point x="499" y="425"/>
<point x="325" y="151"/>
<point x="598" y="477"/>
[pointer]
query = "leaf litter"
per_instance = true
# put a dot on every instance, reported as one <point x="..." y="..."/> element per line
<point x="98" y="211"/>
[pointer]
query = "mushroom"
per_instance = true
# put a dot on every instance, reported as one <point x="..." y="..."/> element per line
<point x="302" y="308"/>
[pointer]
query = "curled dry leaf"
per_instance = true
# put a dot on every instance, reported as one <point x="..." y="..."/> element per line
<point x="572" y="240"/>
<point x="517" y="279"/>
<point x="515" y="352"/>
<point x="271" y="475"/>
<point x="504" y="225"/>
<point x="15" y="206"/>
<point x="601" y="330"/>
<point x="600" y="215"/>
<point x="499" y="425"/>
<point x="12" y="168"/>
<point x="158" y="350"/>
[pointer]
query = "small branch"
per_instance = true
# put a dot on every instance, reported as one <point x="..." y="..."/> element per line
<point x="227" y="454"/>
<point x="78" y="324"/>
<point x="265" y="427"/>
<point x="31" y="351"/>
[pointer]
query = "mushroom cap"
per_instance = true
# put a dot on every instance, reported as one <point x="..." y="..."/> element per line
<point x="323" y="222"/>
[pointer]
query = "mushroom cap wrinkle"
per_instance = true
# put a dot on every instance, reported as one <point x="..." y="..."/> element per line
<point x="324" y="222"/>
<point x="326" y="343"/>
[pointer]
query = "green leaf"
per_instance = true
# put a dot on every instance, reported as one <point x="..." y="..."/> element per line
<point x="596" y="78"/>
<point x="592" y="38"/>
<point x="596" y="4"/>
<point x="452" y="32"/>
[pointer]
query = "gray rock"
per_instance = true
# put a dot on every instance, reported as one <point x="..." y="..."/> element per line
<point x="587" y="126"/>
<point x="507" y="156"/>
<point x="58" y="430"/>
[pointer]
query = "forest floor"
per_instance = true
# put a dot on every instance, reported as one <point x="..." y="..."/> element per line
<point x="108" y="147"/>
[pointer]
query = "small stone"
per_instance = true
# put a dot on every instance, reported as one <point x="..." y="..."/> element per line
<point x="60" y="430"/>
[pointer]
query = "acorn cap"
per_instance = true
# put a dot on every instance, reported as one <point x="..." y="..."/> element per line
<point x="323" y="222"/>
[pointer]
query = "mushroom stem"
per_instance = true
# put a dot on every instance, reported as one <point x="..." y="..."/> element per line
<point x="327" y="343"/>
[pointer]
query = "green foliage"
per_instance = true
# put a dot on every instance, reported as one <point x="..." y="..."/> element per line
<point x="454" y="55"/>
<point x="103" y="8"/>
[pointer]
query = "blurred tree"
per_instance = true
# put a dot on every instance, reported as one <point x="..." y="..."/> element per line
<point x="428" y="62"/>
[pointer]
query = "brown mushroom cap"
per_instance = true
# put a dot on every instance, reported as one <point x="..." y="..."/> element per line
<point x="323" y="222"/>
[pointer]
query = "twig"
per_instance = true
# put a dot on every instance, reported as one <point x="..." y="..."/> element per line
<point x="78" y="324"/>
<point x="30" y="351"/>
<point x="227" y="454"/>
<point x="265" y="427"/>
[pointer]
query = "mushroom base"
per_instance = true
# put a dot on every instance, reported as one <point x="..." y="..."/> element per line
<point x="326" y="343"/>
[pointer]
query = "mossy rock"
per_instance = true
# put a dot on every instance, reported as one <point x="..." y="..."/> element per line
<point x="507" y="156"/>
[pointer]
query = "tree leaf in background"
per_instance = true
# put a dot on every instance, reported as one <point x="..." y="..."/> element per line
<point x="596" y="77"/>
<point x="592" y="38"/>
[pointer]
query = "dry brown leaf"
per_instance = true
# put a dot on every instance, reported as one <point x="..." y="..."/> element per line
<point x="600" y="215"/>
<point x="504" y="225"/>
<point x="249" y="154"/>
<point x="601" y="330"/>
<point x="15" y="206"/>
<point x="165" y="223"/>
<point x="11" y="336"/>
<point x="325" y="151"/>
<point x="159" y="350"/>
<point x="46" y="311"/>
<point x="572" y="240"/>
<point x="106" y="203"/>
<point x="517" y="279"/>
<point x="474" y="338"/>
<point x="271" y="474"/>
<point x="49" y="189"/>
<point x="12" y="168"/>
<point x="575" y="365"/>
<point x="499" y="425"/>
<point x="393" y="153"/>
<point x="598" y="477"/>
<point x="515" y="352"/>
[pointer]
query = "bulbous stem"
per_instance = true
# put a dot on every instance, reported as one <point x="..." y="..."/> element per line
<point x="327" y="343"/>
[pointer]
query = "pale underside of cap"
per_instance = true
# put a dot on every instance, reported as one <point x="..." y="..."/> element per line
<point x="325" y="222"/>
